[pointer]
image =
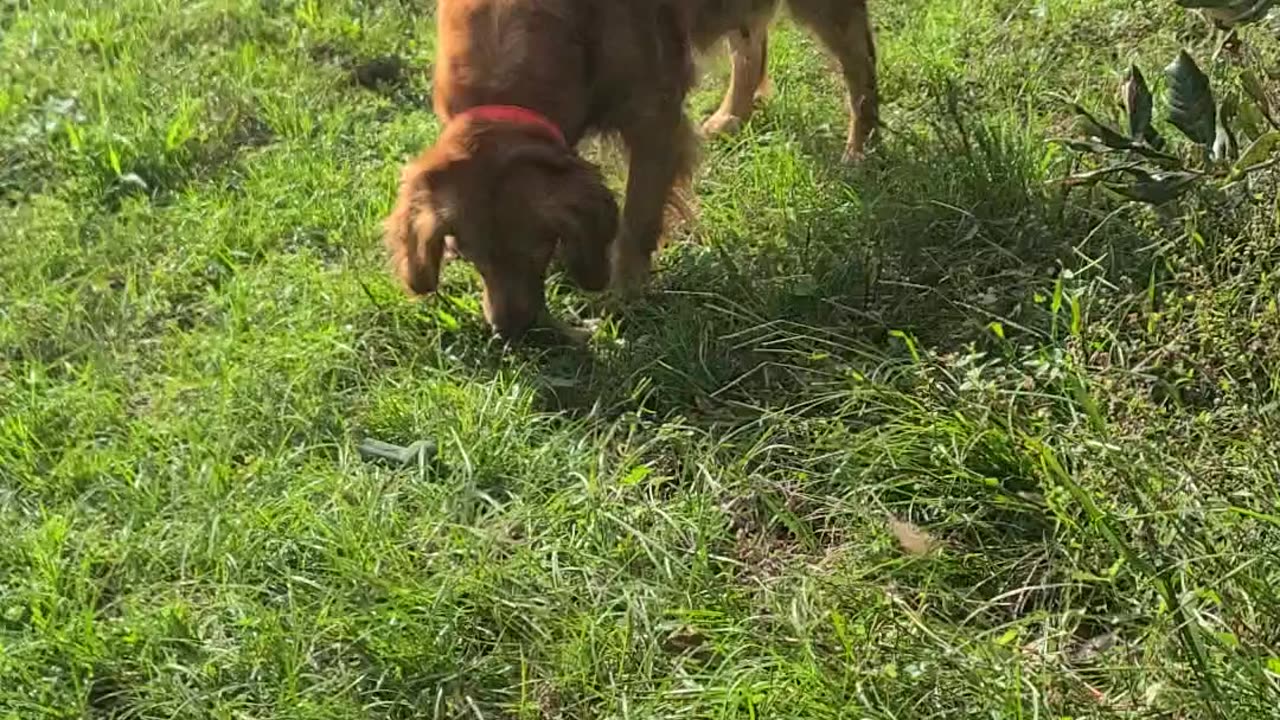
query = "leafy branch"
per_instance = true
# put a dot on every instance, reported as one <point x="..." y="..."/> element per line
<point x="1230" y="13"/>
<point x="1144" y="166"/>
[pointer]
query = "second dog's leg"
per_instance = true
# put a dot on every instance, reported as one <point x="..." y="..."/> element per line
<point x="661" y="155"/>
<point x="845" y="28"/>
<point x="749" y="53"/>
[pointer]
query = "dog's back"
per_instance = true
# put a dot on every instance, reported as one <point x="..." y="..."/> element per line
<point x="517" y="52"/>
<point x="586" y="64"/>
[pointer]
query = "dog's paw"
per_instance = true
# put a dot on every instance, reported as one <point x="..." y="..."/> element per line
<point x="578" y="336"/>
<point x="551" y="331"/>
<point x="721" y="123"/>
<point x="859" y="145"/>
<point x="630" y="278"/>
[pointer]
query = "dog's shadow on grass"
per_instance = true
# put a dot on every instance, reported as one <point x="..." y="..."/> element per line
<point x="737" y="335"/>
<point x="956" y="228"/>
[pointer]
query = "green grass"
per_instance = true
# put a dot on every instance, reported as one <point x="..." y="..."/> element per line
<point x="1080" y="407"/>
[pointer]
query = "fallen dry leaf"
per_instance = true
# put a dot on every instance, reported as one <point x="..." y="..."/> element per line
<point x="912" y="539"/>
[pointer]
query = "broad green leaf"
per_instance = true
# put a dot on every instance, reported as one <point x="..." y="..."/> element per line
<point x="1259" y="95"/>
<point x="1229" y="13"/>
<point x="1153" y="138"/>
<point x="1136" y="97"/>
<point x="1092" y="128"/>
<point x="1254" y="89"/>
<point x="1150" y="151"/>
<point x="1258" y="151"/>
<point x="1241" y="12"/>
<point x="1250" y="121"/>
<point x="1191" y="106"/>
<point x="1157" y="188"/>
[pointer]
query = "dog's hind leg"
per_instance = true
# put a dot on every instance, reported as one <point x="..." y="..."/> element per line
<point x="748" y="80"/>
<point x="845" y="28"/>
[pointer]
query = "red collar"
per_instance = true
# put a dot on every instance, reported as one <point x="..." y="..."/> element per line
<point x="515" y="115"/>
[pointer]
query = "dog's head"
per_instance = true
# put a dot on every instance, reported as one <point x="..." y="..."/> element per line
<point x="507" y="199"/>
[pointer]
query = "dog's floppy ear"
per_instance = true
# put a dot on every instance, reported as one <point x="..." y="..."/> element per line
<point x="585" y="214"/>
<point x="569" y="198"/>
<point x="415" y="231"/>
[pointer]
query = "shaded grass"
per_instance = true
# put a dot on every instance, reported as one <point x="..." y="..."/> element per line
<point x="1077" y="406"/>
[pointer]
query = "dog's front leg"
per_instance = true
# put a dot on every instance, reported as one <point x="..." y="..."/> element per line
<point x="748" y="79"/>
<point x="661" y="153"/>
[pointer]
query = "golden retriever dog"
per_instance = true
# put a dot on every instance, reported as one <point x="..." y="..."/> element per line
<point x="518" y="83"/>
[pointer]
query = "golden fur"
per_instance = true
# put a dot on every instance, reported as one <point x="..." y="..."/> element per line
<point x="509" y="198"/>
